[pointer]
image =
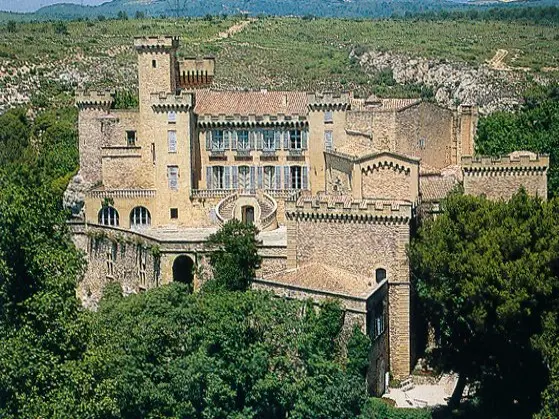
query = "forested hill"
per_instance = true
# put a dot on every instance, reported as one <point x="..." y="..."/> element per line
<point x="330" y="8"/>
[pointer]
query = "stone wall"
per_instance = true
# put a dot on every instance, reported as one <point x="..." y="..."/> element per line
<point x="387" y="183"/>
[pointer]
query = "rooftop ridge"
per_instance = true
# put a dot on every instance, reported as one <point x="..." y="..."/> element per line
<point x="156" y="42"/>
<point x="165" y="100"/>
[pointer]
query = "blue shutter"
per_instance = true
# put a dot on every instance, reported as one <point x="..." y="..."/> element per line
<point x="305" y="177"/>
<point x="277" y="140"/>
<point x="227" y="176"/>
<point x="233" y="140"/>
<point x="252" y="177"/>
<point x="305" y="139"/>
<point x="278" y="177"/>
<point x="259" y="138"/>
<point x="209" y="177"/>
<point x="261" y="177"/>
<point x="286" y="140"/>
<point x="208" y="140"/>
<point x="286" y="177"/>
<point x="235" y="176"/>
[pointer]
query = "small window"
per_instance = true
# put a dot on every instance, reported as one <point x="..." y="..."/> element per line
<point x="131" y="138"/>
<point x="172" y="141"/>
<point x="174" y="213"/>
<point x="328" y="117"/>
<point x="328" y="140"/>
<point x="269" y="140"/>
<point x="244" y="178"/>
<point x="218" y="141"/>
<point x="173" y="177"/>
<point x="153" y="153"/>
<point x="296" y="177"/>
<point x="172" y="117"/>
<point x="269" y="177"/>
<point x="110" y="261"/>
<point x="108" y="216"/>
<point x="380" y="275"/>
<point x="296" y="140"/>
<point x="422" y="143"/>
<point x="154" y="63"/>
<point x="218" y="175"/>
<point x="378" y="326"/>
<point x="243" y="142"/>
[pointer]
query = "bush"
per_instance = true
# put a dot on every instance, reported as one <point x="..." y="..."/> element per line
<point x="379" y="409"/>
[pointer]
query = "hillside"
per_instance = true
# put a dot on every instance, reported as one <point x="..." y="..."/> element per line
<point x="45" y="61"/>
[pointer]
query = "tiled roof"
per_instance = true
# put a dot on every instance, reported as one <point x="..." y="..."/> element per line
<point x="435" y="188"/>
<point x="212" y="102"/>
<point x="398" y="104"/>
<point x="425" y="169"/>
<point x="356" y="149"/>
<point x="319" y="277"/>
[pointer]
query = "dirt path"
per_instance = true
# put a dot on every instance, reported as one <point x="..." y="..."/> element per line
<point x="239" y="27"/>
<point x="498" y="60"/>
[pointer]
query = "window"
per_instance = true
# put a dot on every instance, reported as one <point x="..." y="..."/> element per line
<point x="268" y="140"/>
<point x="154" y="63"/>
<point x="243" y="142"/>
<point x="140" y="217"/>
<point x="421" y="143"/>
<point x="172" y="141"/>
<point x="108" y="216"/>
<point x="172" y="117"/>
<point x="153" y="153"/>
<point x="218" y="177"/>
<point x="380" y="275"/>
<point x="378" y="319"/>
<point x="131" y="138"/>
<point x="173" y="177"/>
<point x="218" y="142"/>
<point x="296" y="177"/>
<point x="141" y="266"/>
<point x="174" y="213"/>
<point x="269" y="177"/>
<point x="295" y="139"/>
<point x="244" y="177"/>
<point x="110" y="260"/>
<point x="328" y="140"/>
<point x="328" y="117"/>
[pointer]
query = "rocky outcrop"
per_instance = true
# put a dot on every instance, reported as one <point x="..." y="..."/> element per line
<point x="453" y="83"/>
<point x="74" y="196"/>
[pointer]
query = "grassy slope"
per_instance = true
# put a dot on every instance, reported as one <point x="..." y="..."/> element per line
<point x="285" y="52"/>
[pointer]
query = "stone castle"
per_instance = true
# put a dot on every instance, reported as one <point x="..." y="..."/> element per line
<point x="335" y="184"/>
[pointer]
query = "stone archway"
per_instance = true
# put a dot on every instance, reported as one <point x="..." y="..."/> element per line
<point x="183" y="270"/>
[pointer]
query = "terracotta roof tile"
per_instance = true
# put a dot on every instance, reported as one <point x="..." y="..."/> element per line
<point x="319" y="277"/>
<point x="212" y="102"/>
<point x="435" y="188"/>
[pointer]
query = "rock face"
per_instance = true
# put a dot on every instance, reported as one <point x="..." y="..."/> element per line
<point x="74" y="196"/>
<point x="452" y="83"/>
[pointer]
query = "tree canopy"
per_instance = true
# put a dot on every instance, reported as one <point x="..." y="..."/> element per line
<point x="486" y="274"/>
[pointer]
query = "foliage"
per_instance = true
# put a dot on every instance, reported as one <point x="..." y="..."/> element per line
<point x="485" y="273"/>
<point x="60" y="28"/>
<point x="126" y="99"/>
<point x="379" y="409"/>
<point x="234" y="256"/>
<point x="534" y="127"/>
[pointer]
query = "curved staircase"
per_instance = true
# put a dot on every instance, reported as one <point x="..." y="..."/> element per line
<point x="227" y="208"/>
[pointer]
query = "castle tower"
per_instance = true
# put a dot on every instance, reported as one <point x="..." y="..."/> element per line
<point x="93" y="126"/>
<point x="157" y="66"/>
<point x="468" y="125"/>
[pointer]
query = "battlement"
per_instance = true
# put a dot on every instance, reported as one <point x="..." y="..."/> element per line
<point x="516" y="161"/>
<point x="156" y="42"/>
<point x="328" y="100"/>
<point x="196" y="73"/>
<point x="94" y="98"/>
<point x="347" y="208"/>
<point x="169" y="101"/>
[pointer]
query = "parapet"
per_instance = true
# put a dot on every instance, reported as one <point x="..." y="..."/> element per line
<point x="86" y="98"/>
<point x="156" y="42"/>
<point x="518" y="161"/>
<point x="168" y="101"/>
<point x="346" y="208"/>
<point x="328" y="100"/>
<point x="196" y="73"/>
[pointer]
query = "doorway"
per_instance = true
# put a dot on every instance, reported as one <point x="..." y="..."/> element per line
<point x="183" y="270"/>
<point x="248" y="214"/>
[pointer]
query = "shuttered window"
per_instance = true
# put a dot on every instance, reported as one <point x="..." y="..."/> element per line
<point x="172" y="141"/>
<point x="269" y="177"/>
<point x="269" y="140"/>
<point x="328" y="140"/>
<point x="328" y="117"/>
<point x="173" y="177"/>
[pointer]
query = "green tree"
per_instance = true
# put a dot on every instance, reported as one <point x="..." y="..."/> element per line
<point x="122" y="15"/>
<point x="126" y="99"/>
<point x="485" y="273"/>
<point x="60" y="28"/>
<point x="14" y="137"/>
<point x="234" y="256"/>
<point x="548" y="344"/>
<point x="11" y="26"/>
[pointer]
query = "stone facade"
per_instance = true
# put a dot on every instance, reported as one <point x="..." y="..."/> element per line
<point x="333" y="183"/>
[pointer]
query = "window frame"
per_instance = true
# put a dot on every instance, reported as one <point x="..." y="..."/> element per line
<point x="240" y="140"/>
<point x="108" y="216"/>
<point x="295" y="139"/>
<point x="329" y="117"/>
<point x="296" y="180"/>
<point x="269" y="179"/>
<point x="131" y="139"/>
<point x="218" y="140"/>
<point x="218" y="177"/>
<point x="140" y="217"/>
<point x="267" y="136"/>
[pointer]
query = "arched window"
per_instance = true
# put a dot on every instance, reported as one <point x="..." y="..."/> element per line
<point x="380" y="275"/>
<point x="108" y="216"/>
<point x="140" y="217"/>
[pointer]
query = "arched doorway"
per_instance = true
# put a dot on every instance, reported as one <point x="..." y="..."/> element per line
<point x="248" y="214"/>
<point x="183" y="270"/>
